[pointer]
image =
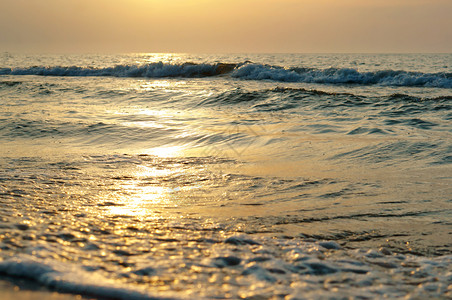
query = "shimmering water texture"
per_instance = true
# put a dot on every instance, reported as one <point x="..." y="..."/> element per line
<point x="155" y="176"/>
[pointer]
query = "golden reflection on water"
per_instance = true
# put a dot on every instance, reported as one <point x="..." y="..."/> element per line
<point x="146" y="85"/>
<point x="160" y="57"/>
<point x="141" y="202"/>
<point x="169" y="151"/>
<point x="149" y="188"/>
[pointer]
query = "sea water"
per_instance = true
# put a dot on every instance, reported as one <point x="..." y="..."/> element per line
<point x="282" y="176"/>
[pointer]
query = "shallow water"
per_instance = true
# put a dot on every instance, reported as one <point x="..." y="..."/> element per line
<point x="275" y="176"/>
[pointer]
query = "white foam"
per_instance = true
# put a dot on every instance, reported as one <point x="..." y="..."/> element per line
<point x="70" y="278"/>
<point x="245" y="265"/>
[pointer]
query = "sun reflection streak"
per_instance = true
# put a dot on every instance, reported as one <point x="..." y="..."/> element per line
<point x="158" y="84"/>
<point x="168" y="151"/>
<point x="148" y="189"/>
<point x="142" y="202"/>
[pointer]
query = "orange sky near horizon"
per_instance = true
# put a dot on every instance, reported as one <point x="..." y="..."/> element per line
<point x="226" y="26"/>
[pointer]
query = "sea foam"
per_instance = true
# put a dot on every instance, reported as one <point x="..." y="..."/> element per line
<point x="255" y="267"/>
<point x="70" y="278"/>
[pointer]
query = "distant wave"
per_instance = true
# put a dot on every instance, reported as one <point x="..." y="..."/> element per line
<point x="249" y="71"/>
<point x="154" y="70"/>
<point x="343" y="76"/>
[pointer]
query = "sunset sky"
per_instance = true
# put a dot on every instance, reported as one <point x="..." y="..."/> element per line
<point x="226" y="26"/>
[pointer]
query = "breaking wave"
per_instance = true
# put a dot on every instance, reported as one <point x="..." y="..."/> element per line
<point x="249" y="71"/>
<point x="343" y="76"/>
<point x="70" y="279"/>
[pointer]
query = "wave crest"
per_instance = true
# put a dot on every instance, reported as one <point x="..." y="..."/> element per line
<point x="150" y="70"/>
<point x="249" y="71"/>
<point x="343" y="76"/>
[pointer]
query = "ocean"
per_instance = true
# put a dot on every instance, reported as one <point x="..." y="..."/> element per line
<point x="254" y="176"/>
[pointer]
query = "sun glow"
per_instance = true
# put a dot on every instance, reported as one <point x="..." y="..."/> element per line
<point x="249" y="26"/>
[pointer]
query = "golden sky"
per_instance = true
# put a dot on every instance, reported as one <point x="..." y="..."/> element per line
<point x="226" y="26"/>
